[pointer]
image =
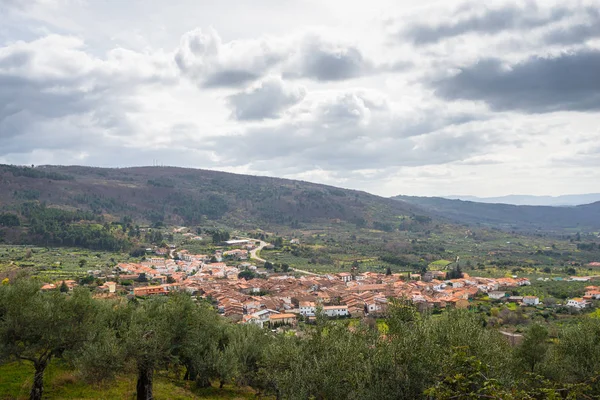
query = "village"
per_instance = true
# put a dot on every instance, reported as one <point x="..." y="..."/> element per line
<point x="275" y="299"/>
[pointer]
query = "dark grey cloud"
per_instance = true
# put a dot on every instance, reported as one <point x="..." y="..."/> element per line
<point x="229" y="78"/>
<point x="587" y="27"/>
<point x="352" y="131"/>
<point x="569" y="81"/>
<point x="325" y="60"/>
<point x="265" y="100"/>
<point x="566" y="23"/>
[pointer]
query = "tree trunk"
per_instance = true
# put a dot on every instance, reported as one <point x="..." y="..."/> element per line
<point x="37" y="390"/>
<point x="190" y="374"/>
<point x="202" y="381"/>
<point x="144" y="383"/>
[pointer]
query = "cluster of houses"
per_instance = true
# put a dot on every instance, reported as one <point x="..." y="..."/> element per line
<point x="278" y="299"/>
<point x="283" y="299"/>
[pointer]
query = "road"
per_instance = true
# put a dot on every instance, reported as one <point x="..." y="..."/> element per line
<point x="256" y="250"/>
<point x="257" y="258"/>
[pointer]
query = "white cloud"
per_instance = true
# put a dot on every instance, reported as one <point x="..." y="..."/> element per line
<point x="340" y="101"/>
<point x="204" y="58"/>
<point x="312" y="54"/>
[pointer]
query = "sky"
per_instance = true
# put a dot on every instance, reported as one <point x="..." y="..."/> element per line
<point x="391" y="97"/>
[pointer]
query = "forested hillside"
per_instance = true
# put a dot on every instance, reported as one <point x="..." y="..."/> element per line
<point x="524" y="218"/>
<point x="190" y="196"/>
<point x="101" y="208"/>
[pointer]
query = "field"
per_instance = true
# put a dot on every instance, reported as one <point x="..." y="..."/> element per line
<point x="490" y="252"/>
<point x="61" y="382"/>
<point x="57" y="263"/>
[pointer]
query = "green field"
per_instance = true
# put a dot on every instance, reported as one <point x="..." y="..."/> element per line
<point x="62" y="383"/>
<point x="439" y="264"/>
<point x="58" y="263"/>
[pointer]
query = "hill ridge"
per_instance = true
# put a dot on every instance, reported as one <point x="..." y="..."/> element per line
<point x="178" y="195"/>
<point x="515" y="217"/>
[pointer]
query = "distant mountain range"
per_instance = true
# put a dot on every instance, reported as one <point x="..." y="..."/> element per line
<point x="527" y="200"/>
<point x="514" y="217"/>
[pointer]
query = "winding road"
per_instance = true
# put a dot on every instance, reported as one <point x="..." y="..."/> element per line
<point x="256" y="250"/>
<point x="262" y="245"/>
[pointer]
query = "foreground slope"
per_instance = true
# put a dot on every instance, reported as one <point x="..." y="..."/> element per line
<point x="526" y="218"/>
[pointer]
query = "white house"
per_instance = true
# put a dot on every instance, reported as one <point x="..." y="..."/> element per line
<point x="577" y="303"/>
<point x="580" y="278"/>
<point x="593" y="294"/>
<point x="307" y="308"/>
<point x="418" y="298"/>
<point x="496" y="295"/>
<point x="376" y="305"/>
<point x="264" y="314"/>
<point x="335" y="311"/>
<point x="345" y="276"/>
<point x="237" y="242"/>
<point x="439" y="286"/>
<point x="531" y="300"/>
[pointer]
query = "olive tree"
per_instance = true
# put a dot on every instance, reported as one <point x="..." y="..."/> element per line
<point x="37" y="326"/>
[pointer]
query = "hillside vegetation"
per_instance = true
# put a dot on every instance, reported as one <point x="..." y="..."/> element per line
<point x="190" y="196"/>
<point x="525" y="218"/>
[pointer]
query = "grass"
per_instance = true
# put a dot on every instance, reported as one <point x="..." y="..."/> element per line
<point x="57" y="263"/>
<point x="439" y="264"/>
<point x="62" y="383"/>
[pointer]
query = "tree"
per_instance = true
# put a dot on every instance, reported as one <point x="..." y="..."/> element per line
<point x="37" y="326"/>
<point x="455" y="273"/>
<point x="268" y="265"/>
<point x="82" y="263"/>
<point x="63" y="287"/>
<point x="147" y="341"/>
<point x="195" y="330"/>
<point x="9" y="220"/>
<point x="278" y="242"/>
<point x="577" y="353"/>
<point x="170" y="279"/>
<point x="400" y="313"/>
<point x="469" y="378"/>
<point x="534" y="347"/>
<point x="247" y="275"/>
<point x="159" y="332"/>
<point x="570" y="271"/>
<point x="388" y="271"/>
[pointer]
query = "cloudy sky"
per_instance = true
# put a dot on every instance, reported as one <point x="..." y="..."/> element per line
<point x="388" y="96"/>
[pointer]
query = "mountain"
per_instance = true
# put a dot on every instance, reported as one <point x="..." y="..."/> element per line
<point x="527" y="200"/>
<point x="523" y="218"/>
<point x="191" y="196"/>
